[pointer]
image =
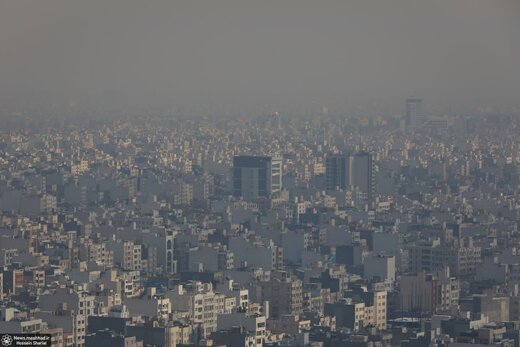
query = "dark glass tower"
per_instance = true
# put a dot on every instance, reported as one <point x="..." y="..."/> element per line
<point x="255" y="177"/>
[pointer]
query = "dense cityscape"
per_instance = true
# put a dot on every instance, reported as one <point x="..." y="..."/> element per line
<point x="230" y="173"/>
<point x="274" y="230"/>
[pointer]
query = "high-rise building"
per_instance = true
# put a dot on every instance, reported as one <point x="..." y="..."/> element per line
<point x="336" y="172"/>
<point x="414" y="112"/>
<point x="355" y="171"/>
<point x="255" y="177"/>
<point x="361" y="173"/>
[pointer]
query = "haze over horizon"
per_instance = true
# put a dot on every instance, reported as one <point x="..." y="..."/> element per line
<point x="260" y="56"/>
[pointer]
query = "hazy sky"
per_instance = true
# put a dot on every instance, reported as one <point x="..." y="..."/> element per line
<point x="262" y="54"/>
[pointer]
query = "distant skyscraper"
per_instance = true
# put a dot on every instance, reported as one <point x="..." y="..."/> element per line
<point x="336" y="172"/>
<point x="255" y="177"/>
<point x="354" y="171"/>
<point x="361" y="173"/>
<point x="414" y="112"/>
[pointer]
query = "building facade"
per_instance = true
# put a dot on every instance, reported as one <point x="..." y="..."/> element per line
<point x="256" y="177"/>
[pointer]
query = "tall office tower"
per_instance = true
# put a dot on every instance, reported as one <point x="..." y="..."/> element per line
<point x="336" y="172"/>
<point x="355" y="171"/>
<point x="255" y="177"/>
<point x="414" y="113"/>
<point x="361" y="173"/>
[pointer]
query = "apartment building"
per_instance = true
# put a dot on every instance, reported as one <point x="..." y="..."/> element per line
<point x="284" y="294"/>
<point x="425" y="293"/>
